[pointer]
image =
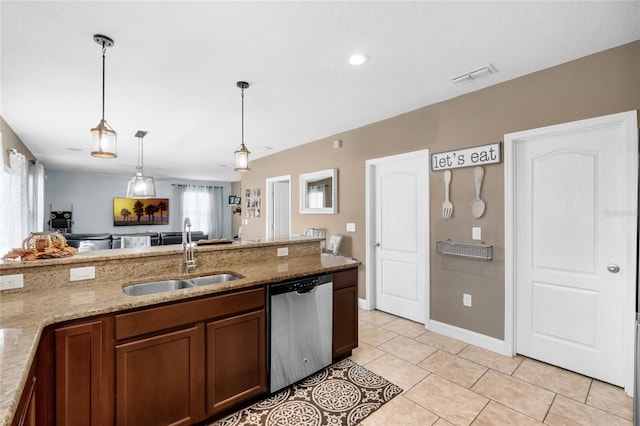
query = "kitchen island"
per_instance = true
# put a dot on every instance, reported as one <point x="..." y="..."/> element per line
<point x="49" y="297"/>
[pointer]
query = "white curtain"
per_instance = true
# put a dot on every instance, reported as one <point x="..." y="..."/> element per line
<point x="217" y="201"/>
<point x="202" y="205"/>
<point x="22" y="196"/>
<point x="5" y="206"/>
<point x="36" y="196"/>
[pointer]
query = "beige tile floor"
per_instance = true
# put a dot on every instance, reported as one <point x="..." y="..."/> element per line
<point x="447" y="382"/>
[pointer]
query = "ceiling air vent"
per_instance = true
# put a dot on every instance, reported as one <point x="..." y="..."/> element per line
<point x="474" y="75"/>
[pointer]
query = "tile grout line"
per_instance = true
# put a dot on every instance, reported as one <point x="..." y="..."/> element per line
<point x="549" y="409"/>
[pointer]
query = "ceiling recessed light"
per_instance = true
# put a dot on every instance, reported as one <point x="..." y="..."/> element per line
<point x="358" y="59"/>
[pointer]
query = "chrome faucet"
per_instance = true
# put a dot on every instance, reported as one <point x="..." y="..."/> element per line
<point x="188" y="258"/>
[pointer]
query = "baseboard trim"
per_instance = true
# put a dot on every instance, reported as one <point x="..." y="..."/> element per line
<point x="362" y="304"/>
<point x="468" y="336"/>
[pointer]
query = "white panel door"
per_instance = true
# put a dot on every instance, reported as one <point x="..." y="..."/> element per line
<point x="571" y="193"/>
<point x="281" y="209"/>
<point x="401" y="192"/>
<point x="278" y="206"/>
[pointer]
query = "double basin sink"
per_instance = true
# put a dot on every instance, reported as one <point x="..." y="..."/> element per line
<point x="171" y="285"/>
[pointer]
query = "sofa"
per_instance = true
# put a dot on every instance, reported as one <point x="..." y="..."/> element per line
<point x="85" y="242"/>
<point x="176" y="237"/>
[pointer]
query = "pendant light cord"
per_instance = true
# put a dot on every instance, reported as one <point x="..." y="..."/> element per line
<point x="104" y="49"/>
<point x="140" y="156"/>
<point x="242" y="95"/>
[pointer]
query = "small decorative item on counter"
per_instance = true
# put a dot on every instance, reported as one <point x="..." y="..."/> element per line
<point x="42" y="245"/>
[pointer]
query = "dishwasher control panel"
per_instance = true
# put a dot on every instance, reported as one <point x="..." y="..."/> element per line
<point x="300" y="285"/>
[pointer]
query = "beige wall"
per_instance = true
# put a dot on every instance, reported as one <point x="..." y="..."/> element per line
<point x="600" y="84"/>
<point x="11" y="140"/>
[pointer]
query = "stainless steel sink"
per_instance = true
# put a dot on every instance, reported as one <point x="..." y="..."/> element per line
<point x="171" y="285"/>
<point x="214" y="279"/>
<point x="156" y="287"/>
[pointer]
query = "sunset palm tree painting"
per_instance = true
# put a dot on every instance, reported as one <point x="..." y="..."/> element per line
<point x="134" y="212"/>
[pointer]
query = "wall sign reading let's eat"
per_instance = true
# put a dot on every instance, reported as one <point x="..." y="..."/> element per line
<point x="476" y="156"/>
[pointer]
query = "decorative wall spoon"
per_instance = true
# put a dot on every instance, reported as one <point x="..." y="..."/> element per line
<point x="477" y="205"/>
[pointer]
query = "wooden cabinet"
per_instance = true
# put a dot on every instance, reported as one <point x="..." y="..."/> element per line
<point x="236" y="360"/>
<point x="82" y="373"/>
<point x="345" y="313"/>
<point x="159" y="379"/>
<point x="182" y="362"/>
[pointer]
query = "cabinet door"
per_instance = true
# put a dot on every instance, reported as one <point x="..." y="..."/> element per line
<point x="159" y="380"/>
<point x="236" y="360"/>
<point x="79" y="381"/>
<point x="345" y="313"/>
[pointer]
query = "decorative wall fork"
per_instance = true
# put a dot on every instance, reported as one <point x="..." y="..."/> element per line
<point x="447" y="206"/>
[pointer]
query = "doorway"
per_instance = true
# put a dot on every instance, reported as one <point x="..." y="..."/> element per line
<point x="278" y="207"/>
<point x="571" y="226"/>
<point x="397" y="241"/>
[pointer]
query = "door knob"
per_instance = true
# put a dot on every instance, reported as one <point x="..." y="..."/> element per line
<point x="613" y="268"/>
<point x="376" y="245"/>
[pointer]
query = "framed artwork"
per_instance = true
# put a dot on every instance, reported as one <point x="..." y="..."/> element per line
<point x="334" y="244"/>
<point x="253" y="202"/>
<point x="234" y="200"/>
<point x="136" y="212"/>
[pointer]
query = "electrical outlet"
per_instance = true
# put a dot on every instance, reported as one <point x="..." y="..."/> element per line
<point x="466" y="300"/>
<point x="80" y="274"/>
<point x="351" y="227"/>
<point x="8" y="282"/>
<point x="283" y="251"/>
<point x="476" y="233"/>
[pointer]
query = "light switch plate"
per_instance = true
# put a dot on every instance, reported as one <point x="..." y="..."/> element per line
<point x="80" y="274"/>
<point x="351" y="227"/>
<point x="8" y="282"/>
<point x="476" y="233"/>
<point x="466" y="300"/>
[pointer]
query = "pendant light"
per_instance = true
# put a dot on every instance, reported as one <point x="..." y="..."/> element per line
<point x="242" y="153"/>
<point x="141" y="186"/>
<point x="105" y="139"/>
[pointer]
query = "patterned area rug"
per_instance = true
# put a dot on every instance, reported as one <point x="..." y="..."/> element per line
<point x="342" y="394"/>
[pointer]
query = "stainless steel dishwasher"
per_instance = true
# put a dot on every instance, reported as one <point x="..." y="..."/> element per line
<point x="301" y="328"/>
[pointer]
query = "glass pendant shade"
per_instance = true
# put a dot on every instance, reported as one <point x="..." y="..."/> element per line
<point x="104" y="141"/>
<point x="241" y="159"/>
<point x="141" y="187"/>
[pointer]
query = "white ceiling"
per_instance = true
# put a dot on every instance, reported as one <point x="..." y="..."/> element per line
<point x="174" y="67"/>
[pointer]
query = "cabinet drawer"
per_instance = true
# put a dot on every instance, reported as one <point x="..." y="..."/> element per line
<point x="187" y="312"/>
<point x="348" y="278"/>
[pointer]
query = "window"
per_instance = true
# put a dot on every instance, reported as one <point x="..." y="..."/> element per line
<point x="203" y="206"/>
<point x="22" y="206"/>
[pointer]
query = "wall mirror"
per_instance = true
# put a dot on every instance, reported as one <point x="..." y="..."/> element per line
<point x="319" y="192"/>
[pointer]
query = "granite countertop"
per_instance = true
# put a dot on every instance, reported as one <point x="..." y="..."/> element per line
<point x="23" y="316"/>
<point x="114" y="254"/>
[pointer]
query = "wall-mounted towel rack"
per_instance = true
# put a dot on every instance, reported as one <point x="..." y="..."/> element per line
<point x="472" y="251"/>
